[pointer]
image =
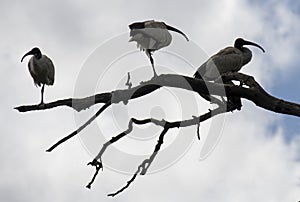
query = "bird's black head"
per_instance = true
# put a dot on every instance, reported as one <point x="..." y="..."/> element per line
<point x="239" y="43"/>
<point x="137" y="25"/>
<point x="35" y="51"/>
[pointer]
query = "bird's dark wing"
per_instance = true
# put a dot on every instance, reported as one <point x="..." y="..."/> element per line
<point x="229" y="59"/>
<point x="33" y="74"/>
<point x="51" y="70"/>
<point x="226" y="60"/>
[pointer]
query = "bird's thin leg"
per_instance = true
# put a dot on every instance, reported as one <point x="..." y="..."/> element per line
<point x="220" y="81"/>
<point x="42" y="94"/>
<point x="234" y="101"/>
<point x="152" y="62"/>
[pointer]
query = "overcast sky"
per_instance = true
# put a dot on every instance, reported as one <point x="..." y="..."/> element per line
<point x="257" y="157"/>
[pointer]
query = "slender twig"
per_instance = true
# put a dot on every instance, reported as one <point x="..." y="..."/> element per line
<point x="198" y="127"/>
<point x="160" y="141"/>
<point x="98" y="166"/>
<point x="128" y="83"/>
<point x="127" y="184"/>
<point x="80" y="128"/>
<point x="143" y="167"/>
<point x="121" y="135"/>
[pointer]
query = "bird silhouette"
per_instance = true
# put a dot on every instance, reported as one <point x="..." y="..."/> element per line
<point x="151" y="36"/>
<point x="229" y="59"/>
<point x="41" y="69"/>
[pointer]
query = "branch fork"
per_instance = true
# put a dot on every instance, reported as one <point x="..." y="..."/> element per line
<point x="252" y="91"/>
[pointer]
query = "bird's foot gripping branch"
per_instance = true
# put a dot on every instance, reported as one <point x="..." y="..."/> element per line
<point x="250" y="90"/>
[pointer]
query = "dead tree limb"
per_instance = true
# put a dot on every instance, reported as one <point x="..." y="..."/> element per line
<point x="249" y="89"/>
<point x="80" y="128"/>
<point x="254" y="93"/>
<point x="143" y="167"/>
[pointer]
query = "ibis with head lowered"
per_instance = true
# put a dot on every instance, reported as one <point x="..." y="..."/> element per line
<point x="41" y="69"/>
<point x="151" y="36"/>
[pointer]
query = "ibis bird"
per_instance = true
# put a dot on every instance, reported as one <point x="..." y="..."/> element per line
<point x="41" y="69"/>
<point x="151" y="36"/>
<point x="229" y="59"/>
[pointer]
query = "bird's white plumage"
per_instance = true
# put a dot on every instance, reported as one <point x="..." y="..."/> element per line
<point x="151" y="38"/>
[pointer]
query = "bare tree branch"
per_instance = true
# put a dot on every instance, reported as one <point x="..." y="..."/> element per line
<point x="254" y="93"/>
<point x="198" y="127"/>
<point x="98" y="164"/>
<point x="223" y="86"/>
<point x="143" y="167"/>
<point x="127" y="184"/>
<point x="80" y="128"/>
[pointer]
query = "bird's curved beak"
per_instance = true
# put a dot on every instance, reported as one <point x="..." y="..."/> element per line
<point x="29" y="53"/>
<point x="177" y="30"/>
<point x="253" y="44"/>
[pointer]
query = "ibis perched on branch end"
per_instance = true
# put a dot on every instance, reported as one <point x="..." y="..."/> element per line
<point x="229" y="59"/>
<point x="41" y="69"/>
<point x="151" y="36"/>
